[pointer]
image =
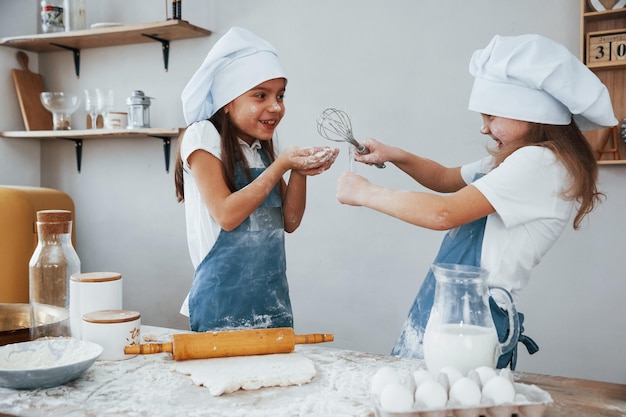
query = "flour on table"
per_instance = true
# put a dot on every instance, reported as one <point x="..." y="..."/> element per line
<point x="226" y="375"/>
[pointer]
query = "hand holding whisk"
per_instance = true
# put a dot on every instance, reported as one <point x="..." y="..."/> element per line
<point x="335" y="125"/>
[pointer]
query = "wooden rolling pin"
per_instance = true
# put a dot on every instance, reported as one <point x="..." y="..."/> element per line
<point x="229" y="343"/>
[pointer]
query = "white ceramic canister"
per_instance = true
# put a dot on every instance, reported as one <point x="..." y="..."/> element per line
<point x="112" y="329"/>
<point x="93" y="291"/>
<point x="116" y="120"/>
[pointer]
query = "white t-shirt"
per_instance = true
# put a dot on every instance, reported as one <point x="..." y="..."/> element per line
<point x="202" y="229"/>
<point x="530" y="214"/>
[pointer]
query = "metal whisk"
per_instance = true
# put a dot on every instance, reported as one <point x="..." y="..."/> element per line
<point x="335" y="125"/>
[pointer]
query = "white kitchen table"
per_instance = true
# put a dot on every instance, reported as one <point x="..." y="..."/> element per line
<point x="146" y="385"/>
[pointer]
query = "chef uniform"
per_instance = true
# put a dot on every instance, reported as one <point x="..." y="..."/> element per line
<point x="534" y="79"/>
<point x="239" y="278"/>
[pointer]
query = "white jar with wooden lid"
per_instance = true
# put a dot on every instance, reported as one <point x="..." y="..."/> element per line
<point x="112" y="329"/>
<point x="93" y="291"/>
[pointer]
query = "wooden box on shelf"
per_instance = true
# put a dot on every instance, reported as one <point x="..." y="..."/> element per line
<point x="603" y="50"/>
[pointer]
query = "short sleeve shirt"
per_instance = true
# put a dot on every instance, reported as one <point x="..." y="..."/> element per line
<point x="531" y="212"/>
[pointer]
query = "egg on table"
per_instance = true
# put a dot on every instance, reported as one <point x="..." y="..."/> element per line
<point x="498" y="390"/>
<point x="422" y="375"/>
<point x="397" y="398"/>
<point x="383" y="377"/>
<point x="465" y="392"/>
<point x="431" y="395"/>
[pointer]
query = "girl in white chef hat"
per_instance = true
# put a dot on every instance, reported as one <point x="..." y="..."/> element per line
<point x="237" y="204"/>
<point x="504" y="212"/>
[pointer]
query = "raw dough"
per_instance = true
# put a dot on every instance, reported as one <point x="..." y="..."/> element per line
<point x="226" y="375"/>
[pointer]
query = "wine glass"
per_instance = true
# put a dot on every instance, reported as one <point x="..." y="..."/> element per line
<point x="104" y="104"/>
<point x="92" y="108"/>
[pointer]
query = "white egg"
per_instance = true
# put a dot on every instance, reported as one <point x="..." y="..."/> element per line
<point x="452" y="373"/>
<point x="431" y="395"/>
<point x="482" y="374"/>
<point x="383" y="377"/>
<point x="406" y="379"/>
<point x="465" y="392"/>
<point x="422" y="375"/>
<point x="396" y="398"/>
<point x="508" y="374"/>
<point x="499" y="390"/>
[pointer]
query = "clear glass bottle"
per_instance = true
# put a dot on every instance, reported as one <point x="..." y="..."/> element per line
<point x="53" y="262"/>
<point x="52" y="16"/>
<point x="74" y="17"/>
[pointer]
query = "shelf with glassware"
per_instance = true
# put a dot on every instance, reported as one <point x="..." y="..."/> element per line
<point x="603" y="50"/>
<point x="77" y="136"/>
<point x="74" y="41"/>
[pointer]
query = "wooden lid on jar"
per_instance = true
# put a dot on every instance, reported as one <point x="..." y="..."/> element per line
<point x="56" y="221"/>
<point x="96" y="277"/>
<point x="111" y="316"/>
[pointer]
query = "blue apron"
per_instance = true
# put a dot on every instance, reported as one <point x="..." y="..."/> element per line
<point x="242" y="282"/>
<point x="462" y="245"/>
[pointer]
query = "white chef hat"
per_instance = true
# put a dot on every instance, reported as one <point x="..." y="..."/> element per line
<point x="535" y="79"/>
<point x="238" y="61"/>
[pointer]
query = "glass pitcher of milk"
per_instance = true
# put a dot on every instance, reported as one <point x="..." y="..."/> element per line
<point x="460" y="331"/>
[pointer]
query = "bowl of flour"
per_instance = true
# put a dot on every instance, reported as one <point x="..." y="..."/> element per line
<point x="45" y="363"/>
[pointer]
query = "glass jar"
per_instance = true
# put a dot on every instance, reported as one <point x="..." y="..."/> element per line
<point x="52" y="264"/>
<point x="138" y="110"/>
<point x="52" y="16"/>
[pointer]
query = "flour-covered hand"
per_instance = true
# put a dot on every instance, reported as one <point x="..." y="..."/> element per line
<point x="311" y="161"/>
<point x="378" y="153"/>
<point x="350" y="187"/>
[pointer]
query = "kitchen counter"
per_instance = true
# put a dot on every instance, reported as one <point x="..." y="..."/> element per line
<point x="147" y="386"/>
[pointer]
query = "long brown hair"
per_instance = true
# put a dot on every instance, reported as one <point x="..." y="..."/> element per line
<point x="231" y="153"/>
<point x="573" y="150"/>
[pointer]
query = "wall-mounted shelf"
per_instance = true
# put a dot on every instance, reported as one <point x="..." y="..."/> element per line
<point x="77" y="136"/>
<point x="74" y="41"/>
<point x="609" y="146"/>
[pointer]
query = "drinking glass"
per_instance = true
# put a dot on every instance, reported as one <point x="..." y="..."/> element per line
<point x="91" y="108"/>
<point x="104" y="104"/>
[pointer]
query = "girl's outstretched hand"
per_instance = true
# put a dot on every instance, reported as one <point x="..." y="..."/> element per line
<point x="350" y="187"/>
<point x="379" y="153"/>
<point x="309" y="161"/>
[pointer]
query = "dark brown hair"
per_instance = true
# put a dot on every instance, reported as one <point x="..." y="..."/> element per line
<point x="573" y="150"/>
<point x="231" y="153"/>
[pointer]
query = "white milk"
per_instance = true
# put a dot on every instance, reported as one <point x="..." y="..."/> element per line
<point x="464" y="347"/>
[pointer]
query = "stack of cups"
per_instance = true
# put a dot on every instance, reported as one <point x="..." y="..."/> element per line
<point x="96" y="313"/>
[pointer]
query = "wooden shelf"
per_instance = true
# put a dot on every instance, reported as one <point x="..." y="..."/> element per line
<point x="169" y="30"/>
<point x="74" y="41"/>
<point x="611" y="73"/>
<point x="603" y="15"/>
<point x="92" y="133"/>
<point x="77" y="136"/>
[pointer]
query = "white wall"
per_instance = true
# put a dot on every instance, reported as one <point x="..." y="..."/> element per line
<point x="400" y="69"/>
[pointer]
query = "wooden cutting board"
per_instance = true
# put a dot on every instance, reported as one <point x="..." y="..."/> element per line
<point x="28" y="86"/>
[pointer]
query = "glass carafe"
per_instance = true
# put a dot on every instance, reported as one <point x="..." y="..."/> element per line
<point x="51" y="265"/>
<point x="460" y="331"/>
